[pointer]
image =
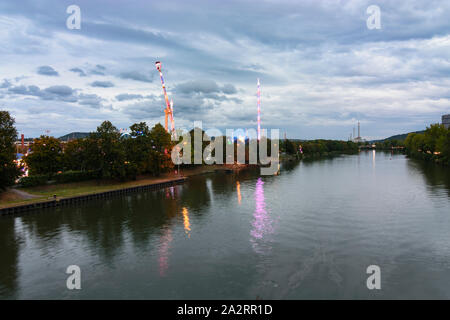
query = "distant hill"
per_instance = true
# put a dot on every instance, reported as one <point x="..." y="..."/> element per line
<point x="400" y="137"/>
<point x="74" y="135"/>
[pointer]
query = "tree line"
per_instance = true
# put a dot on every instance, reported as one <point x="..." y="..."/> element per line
<point x="104" y="154"/>
<point x="432" y="145"/>
<point x="9" y="171"/>
<point x="317" y="148"/>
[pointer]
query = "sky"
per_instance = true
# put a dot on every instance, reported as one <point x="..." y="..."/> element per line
<point x="321" y="68"/>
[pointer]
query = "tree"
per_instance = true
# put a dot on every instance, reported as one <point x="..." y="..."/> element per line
<point x="289" y="147"/>
<point x="9" y="171"/>
<point x="432" y="135"/>
<point x="161" y="138"/>
<point x="45" y="157"/>
<point x="106" y="152"/>
<point x="139" y="149"/>
<point x="161" y="149"/>
<point x="443" y="145"/>
<point x="140" y="130"/>
<point x="74" y="155"/>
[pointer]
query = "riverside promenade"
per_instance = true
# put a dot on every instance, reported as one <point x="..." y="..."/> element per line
<point x="56" y="202"/>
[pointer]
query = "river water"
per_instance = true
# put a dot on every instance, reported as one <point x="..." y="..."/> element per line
<point x="308" y="233"/>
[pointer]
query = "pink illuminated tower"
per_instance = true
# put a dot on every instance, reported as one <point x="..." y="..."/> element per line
<point x="258" y="93"/>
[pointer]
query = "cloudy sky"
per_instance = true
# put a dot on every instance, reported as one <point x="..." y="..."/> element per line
<point x="321" y="68"/>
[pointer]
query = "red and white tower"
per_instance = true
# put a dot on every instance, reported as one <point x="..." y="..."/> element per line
<point x="169" y="105"/>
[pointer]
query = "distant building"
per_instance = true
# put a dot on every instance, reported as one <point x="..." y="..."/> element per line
<point x="446" y="120"/>
<point x="358" y="138"/>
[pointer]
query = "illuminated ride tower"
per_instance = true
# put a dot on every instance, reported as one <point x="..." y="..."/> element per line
<point x="169" y="105"/>
<point x="258" y="94"/>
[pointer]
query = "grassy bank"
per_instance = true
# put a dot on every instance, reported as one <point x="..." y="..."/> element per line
<point x="19" y="196"/>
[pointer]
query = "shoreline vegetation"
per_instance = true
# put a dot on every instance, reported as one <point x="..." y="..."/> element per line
<point x="43" y="190"/>
<point x="106" y="160"/>
<point x="27" y="195"/>
<point x="431" y="146"/>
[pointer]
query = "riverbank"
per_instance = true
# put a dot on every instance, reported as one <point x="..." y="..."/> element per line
<point x="223" y="237"/>
<point x="429" y="158"/>
<point x="323" y="155"/>
<point x="39" y="194"/>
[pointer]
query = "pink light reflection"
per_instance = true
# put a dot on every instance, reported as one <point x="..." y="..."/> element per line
<point x="262" y="224"/>
<point x="163" y="251"/>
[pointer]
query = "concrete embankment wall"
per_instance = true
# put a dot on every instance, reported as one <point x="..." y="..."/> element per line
<point x="84" y="198"/>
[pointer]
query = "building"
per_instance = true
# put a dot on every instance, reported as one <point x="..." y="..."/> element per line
<point x="358" y="138"/>
<point x="446" y="120"/>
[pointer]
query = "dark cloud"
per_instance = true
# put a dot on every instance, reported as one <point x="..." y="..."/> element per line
<point x="127" y="96"/>
<point x="206" y="89"/>
<point x="97" y="73"/>
<point x="98" y="70"/>
<point x="19" y="90"/>
<point x="138" y="76"/>
<point x="47" y="71"/>
<point x="197" y="86"/>
<point x="63" y="93"/>
<point x="5" y="84"/>
<point x="91" y="100"/>
<point x="229" y="89"/>
<point x="151" y="108"/>
<point x="253" y="66"/>
<point x="80" y="72"/>
<point x="102" y="84"/>
<point x="59" y="90"/>
<point x="60" y="93"/>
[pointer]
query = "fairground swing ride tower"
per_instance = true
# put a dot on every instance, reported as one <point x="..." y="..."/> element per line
<point x="169" y="105"/>
<point x="258" y="94"/>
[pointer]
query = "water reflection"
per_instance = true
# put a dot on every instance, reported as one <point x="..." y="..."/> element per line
<point x="262" y="223"/>
<point x="436" y="176"/>
<point x="373" y="158"/>
<point x="321" y="241"/>
<point x="238" y="189"/>
<point x="187" y="225"/>
<point x="165" y="241"/>
<point x="9" y="250"/>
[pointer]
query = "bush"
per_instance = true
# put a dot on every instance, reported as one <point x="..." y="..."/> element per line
<point x="76" y="176"/>
<point x="65" y="177"/>
<point x="33" y="181"/>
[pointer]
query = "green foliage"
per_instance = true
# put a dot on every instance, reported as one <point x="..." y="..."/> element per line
<point x="433" y="144"/>
<point x="74" y="156"/>
<point x="104" y="151"/>
<point x="149" y="150"/>
<point x="389" y="144"/>
<point x="288" y="146"/>
<point x="101" y="155"/>
<point x="76" y="176"/>
<point x="33" y="181"/>
<point x="317" y="148"/>
<point x="9" y="171"/>
<point x="45" y="157"/>
<point x="64" y="177"/>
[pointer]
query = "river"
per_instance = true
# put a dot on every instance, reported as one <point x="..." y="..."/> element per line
<point x="309" y="233"/>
